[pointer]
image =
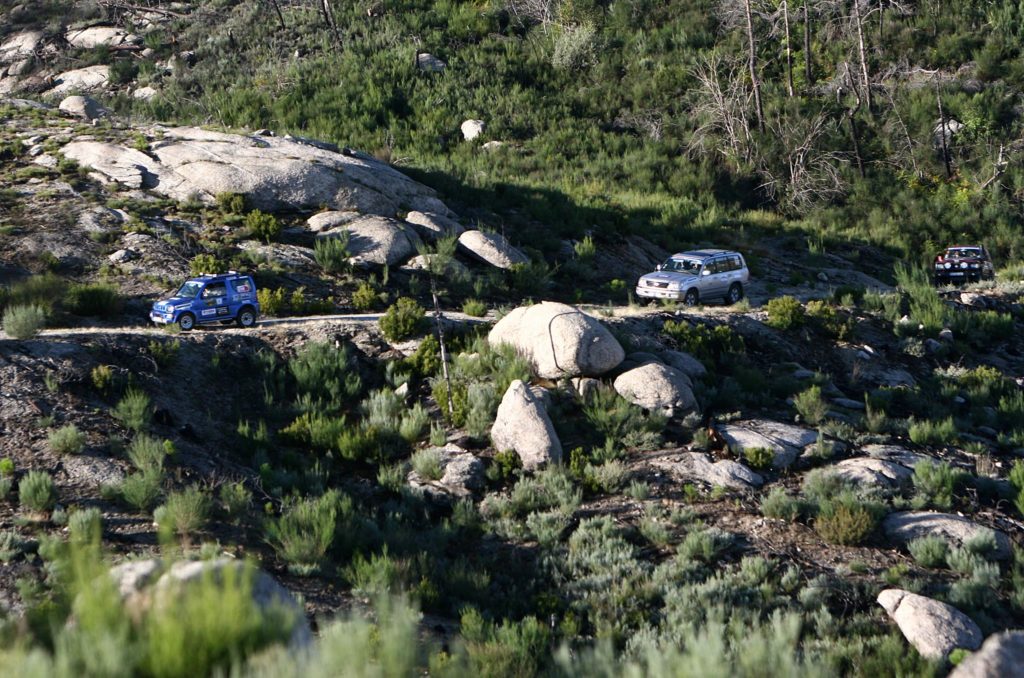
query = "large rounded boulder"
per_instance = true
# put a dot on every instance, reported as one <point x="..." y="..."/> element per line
<point x="933" y="627"/>
<point x="522" y="424"/>
<point x="559" y="340"/>
<point x="657" y="388"/>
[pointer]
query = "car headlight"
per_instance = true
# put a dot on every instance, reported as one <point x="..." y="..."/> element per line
<point x="947" y="265"/>
<point x="974" y="266"/>
<point x="963" y="264"/>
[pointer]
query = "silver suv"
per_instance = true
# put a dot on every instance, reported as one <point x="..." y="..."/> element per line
<point x="696" y="277"/>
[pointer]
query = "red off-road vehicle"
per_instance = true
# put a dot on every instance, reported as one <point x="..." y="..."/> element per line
<point x="962" y="264"/>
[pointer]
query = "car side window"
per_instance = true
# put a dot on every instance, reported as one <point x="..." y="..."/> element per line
<point x="215" y="290"/>
<point x="715" y="266"/>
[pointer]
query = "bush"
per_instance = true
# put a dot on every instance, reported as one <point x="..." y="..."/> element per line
<point x="304" y="532"/>
<point x="403" y="319"/>
<point x="367" y="298"/>
<point x="23" y="322"/>
<point x="36" y="492"/>
<point x="709" y="344"/>
<point x="785" y="313"/>
<point x="934" y="484"/>
<point x="85" y="526"/>
<point x="933" y="432"/>
<point x="147" y="453"/>
<point x="427" y="464"/>
<point x="102" y="377"/>
<point x="929" y="551"/>
<point x="846" y="523"/>
<point x="184" y="513"/>
<point x="332" y="253"/>
<point x="811" y="406"/>
<point x="94" y="299"/>
<point x="759" y="458"/>
<point x="475" y="308"/>
<point x="235" y="499"/>
<point x="325" y="375"/>
<point x="262" y="226"/>
<point x="142" y="490"/>
<point x="134" y="410"/>
<point x="203" y="263"/>
<point x="705" y="545"/>
<point x="779" y="504"/>
<point x="67" y="440"/>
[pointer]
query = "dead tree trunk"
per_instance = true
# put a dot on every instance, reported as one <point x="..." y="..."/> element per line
<point x="789" y="49"/>
<point x="863" y="53"/>
<point x="328" y="14"/>
<point x="850" y="115"/>
<point x="277" y="8"/>
<point x="942" y="133"/>
<point x="752" y="63"/>
<point x="808" y="73"/>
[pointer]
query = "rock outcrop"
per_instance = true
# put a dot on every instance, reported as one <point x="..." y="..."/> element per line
<point x="88" y="79"/>
<point x="657" y="388"/>
<point x="903" y="527"/>
<point x="433" y="226"/>
<point x="873" y="472"/>
<point x="491" y="248"/>
<point x="697" y="466"/>
<point x="378" y="241"/>
<point x="1001" y="655"/>
<point x="273" y="173"/>
<point x="83" y="107"/>
<point x="558" y="340"/>
<point x="785" y="440"/>
<point x="933" y="627"/>
<point x="522" y="424"/>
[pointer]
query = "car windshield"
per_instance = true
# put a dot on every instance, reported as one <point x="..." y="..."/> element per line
<point x="189" y="290"/>
<point x="673" y="265"/>
<point x="963" y="252"/>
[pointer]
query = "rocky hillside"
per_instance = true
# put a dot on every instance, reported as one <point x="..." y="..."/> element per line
<point x="824" y="479"/>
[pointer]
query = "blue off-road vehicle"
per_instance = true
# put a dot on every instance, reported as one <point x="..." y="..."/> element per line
<point x="224" y="297"/>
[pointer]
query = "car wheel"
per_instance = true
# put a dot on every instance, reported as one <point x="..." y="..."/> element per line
<point x="186" y="321"/>
<point x="246" y="317"/>
<point x="735" y="293"/>
<point x="691" y="298"/>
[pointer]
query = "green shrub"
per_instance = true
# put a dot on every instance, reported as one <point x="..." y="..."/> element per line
<point x="24" y="322"/>
<point x="367" y="298"/>
<point x="930" y="432"/>
<point x="811" y="406"/>
<point x="85" y="526"/>
<point x="262" y="226"/>
<point x="326" y="375"/>
<point x="133" y="410"/>
<point x="102" y="377"/>
<point x="427" y="464"/>
<point x="165" y="353"/>
<point x="332" y="253"/>
<point x="204" y="263"/>
<point x="184" y="513"/>
<point x="929" y="551"/>
<point x="93" y="299"/>
<point x="705" y="545"/>
<point x="36" y="492"/>
<point x="235" y="500"/>
<point x="142" y="490"/>
<point x="304" y="532"/>
<point x="709" y="344"/>
<point x="67" y="440"/>
<point x="11" y="545"/>
<point x="760" y="458"/>
<point x="785" y="313"/>
<point x="475" y="308"/>
<point x="147" y="453"/>
<point x="934" y="484"/>
<point x="846" y="523"/>
<point x="6" y="467"/>
<point x="230" y="203"/>
<point x="779" y="504"/>
<point x="402" y="320"/>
